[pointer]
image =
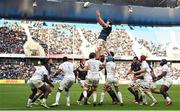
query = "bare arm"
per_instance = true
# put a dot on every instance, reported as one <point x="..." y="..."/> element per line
<point x="57" y="72"/>
<point x="140" y="71"/>
<point x="161" y="75"/>
<point x="99" y="19"/>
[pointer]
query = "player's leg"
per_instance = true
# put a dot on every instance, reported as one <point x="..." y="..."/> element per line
<point x="150" y="95"/>
<point x="68" y="86"/>
<point x="58" y="93"/>
<point x="113" y="96"/>
<point x="105" y="88"/>
<point x="94" y="94"/>
<point x="45" y="92"/>
<point x="118" y="93"/>
<point x="40" y="94"/>
<point x="133" y="90"/>
<point x="30" y="99"/>
<point x="143" y="95"/>
<point x="85" y="90"/>
<point x="163" y="91"/>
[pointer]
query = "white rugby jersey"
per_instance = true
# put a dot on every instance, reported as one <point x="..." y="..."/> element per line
<point x="39" y="73"/>
<point x="111" y="69"/>
<point x="93" y="66"/>
<point x="147" y="75"/>
<point x="168" y="70"/>
<point x="67" y="69"/>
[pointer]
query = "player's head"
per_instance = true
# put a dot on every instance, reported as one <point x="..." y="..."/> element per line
<point x="143" y="58"/>
<point x="135" y="59"/>
<point x="110" y="59"/>
<point x="92" y="55"/>
<point x="163" y="61"/>
<point x="112" y="53"/>
<point x="48" y="61"/>
<point x="102" y="57"/>
<point x="65" y="59"/>
<point x="109" y="22"/>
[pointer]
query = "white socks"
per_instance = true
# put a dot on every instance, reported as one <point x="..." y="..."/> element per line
<point x="119" y="95"/>
<point x="44" y="100"/>
<point x="102" y="97"/>
<point x="68" y="98"/>
<point x="85" y="94"/>
<point x="29" y="101"/>
<point x="151" y="96"/>
<point x="168" y="99"/>
<point x="58" y="95"/>
<point x="94" y="96"/>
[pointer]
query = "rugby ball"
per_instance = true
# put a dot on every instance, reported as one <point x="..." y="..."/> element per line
<point x="86" y="4"/>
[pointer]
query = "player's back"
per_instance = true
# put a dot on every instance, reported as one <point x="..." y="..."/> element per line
<point x="39" y="73"/>
<point x="168" y="70"/>
<point x="93" y="66"/>
<point x="111" y="68"/>
<point x="147" y="75"/>
<point x="105" y="32"/>
<point x="67" y="69"/>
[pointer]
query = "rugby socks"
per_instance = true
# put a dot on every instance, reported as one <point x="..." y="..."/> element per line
<point x="68" y="97"/>
<point x="143" y="95"/>
<point x="29" y="101"/>
<point x="102" y="97"/>
<point x="168" y="98"/>
<point x="85" y="94"/>
<point x="119" y="95"/>
<point x="58" y="95"/>
<point x="113" y="95"/>
<point x="165" y="94"/>
<point x="151" y="96"/>
<point x="136" y="96"/>
<point x="94" y="96"/>
<point x="44" y="100"/>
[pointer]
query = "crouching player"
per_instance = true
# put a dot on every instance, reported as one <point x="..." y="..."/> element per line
<point x="37" y="83"/>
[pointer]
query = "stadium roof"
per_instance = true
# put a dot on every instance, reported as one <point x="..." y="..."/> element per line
<point x="73" y="11"/>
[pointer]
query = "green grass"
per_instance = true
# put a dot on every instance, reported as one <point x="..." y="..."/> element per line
<point x="15" y="97"/>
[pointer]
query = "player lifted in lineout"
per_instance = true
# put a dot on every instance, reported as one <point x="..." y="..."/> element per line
<point x="107" y="28"/>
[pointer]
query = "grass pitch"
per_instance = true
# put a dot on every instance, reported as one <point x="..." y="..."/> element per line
<point x="14" y="97"/>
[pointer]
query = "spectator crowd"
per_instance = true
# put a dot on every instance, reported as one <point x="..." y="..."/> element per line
<point x="66" y="39"/>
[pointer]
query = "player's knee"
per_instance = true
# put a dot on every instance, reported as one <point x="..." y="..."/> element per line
<point x="60" y="89"/>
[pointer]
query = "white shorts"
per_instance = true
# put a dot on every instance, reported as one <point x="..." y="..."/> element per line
<point x="66" y="83"/>
<point x="36" y="83"/>
<point x="147" y="84"/>
<point x="168" y="82"/>
<point x="92" y="82"/>
<point x="112" y="81"/>
<point x="81" y="83"/>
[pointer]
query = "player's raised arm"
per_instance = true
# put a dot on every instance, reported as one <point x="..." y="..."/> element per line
<point x="99" y="19"/>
